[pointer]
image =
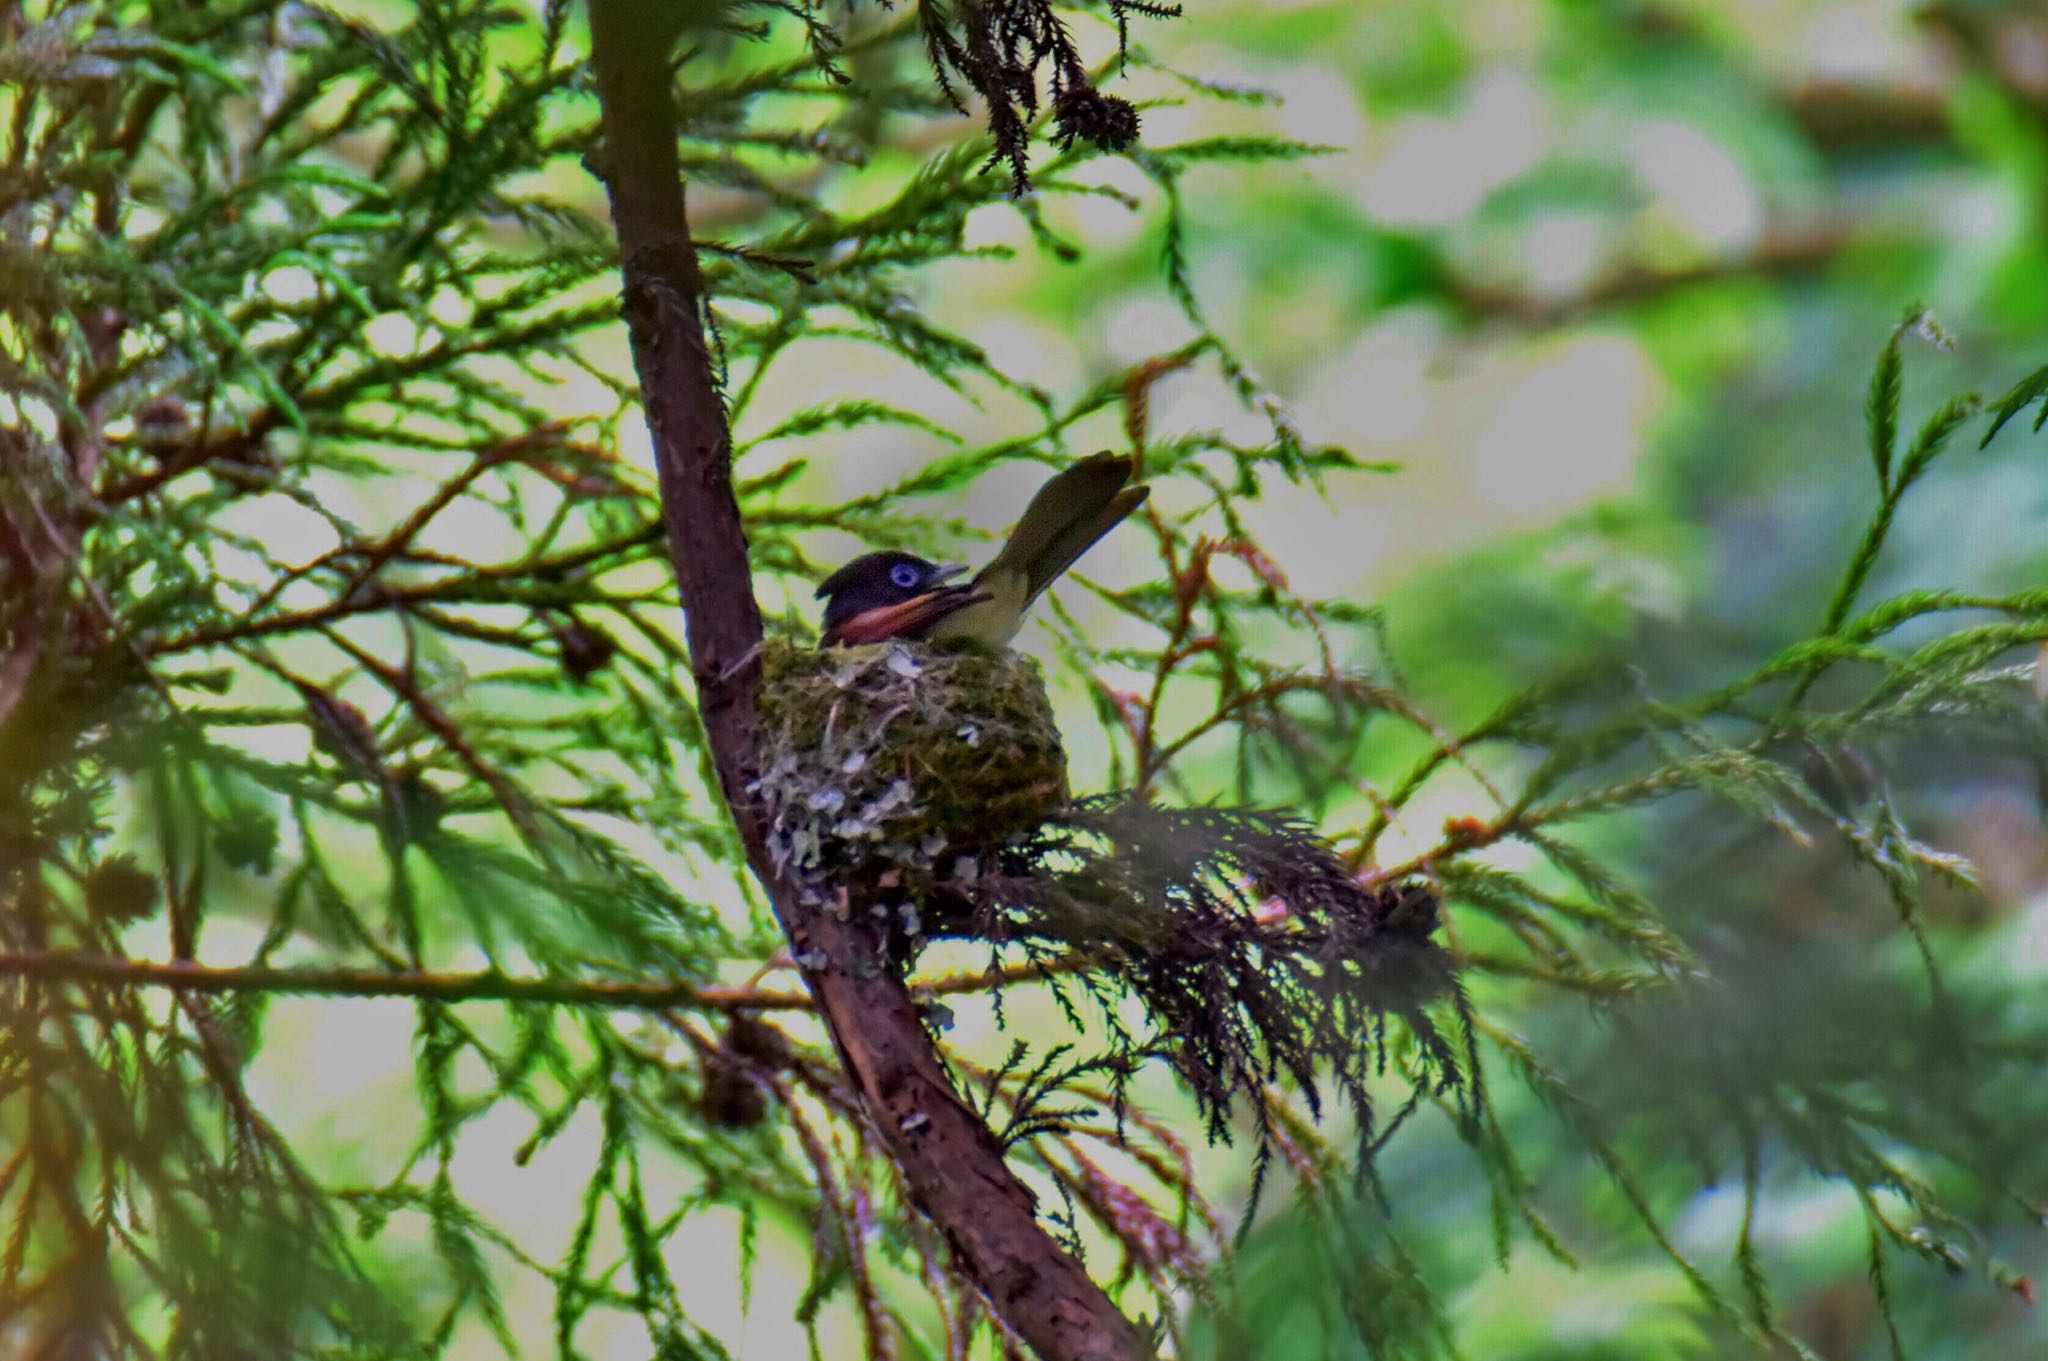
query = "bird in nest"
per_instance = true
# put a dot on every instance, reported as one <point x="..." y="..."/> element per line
<point x="886" y="595"/>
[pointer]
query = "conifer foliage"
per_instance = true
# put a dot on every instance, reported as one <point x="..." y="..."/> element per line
<point x="341" y="658"/>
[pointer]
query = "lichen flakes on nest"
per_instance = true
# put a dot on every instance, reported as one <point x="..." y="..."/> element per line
<point x="897" y="754"/>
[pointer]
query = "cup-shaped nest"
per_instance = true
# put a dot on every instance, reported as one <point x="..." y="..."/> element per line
<point x="898" y="754"/>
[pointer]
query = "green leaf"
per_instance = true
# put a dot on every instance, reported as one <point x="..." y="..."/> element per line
<point x="1210" y="150"/>
<point x="328" y="177"/>
<point x="228" y="334"/>
<point x="1333" y="458"/>
<point x="2033" y="388"/>
<point x="1881" y="406"/>
<point x="849" y="415"/>
<point x="1935" y="434"/>
<point x="138" y="45"/>
<point x="247" y="839"/>
<point x="326" y="270"/>
<point x="363" y="224"/>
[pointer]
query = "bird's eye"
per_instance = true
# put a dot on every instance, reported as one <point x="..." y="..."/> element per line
<point x="904" y="575"/>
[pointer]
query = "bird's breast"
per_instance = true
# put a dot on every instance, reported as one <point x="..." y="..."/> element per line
<point x="995" y="621"/>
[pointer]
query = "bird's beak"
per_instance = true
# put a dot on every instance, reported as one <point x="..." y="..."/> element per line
<point x="909" y="619"/>
<point x="946" y="571"/>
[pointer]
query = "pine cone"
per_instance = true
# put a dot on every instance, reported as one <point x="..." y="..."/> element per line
<point x="585" y="650"/>
<point x="1103" y="121"/>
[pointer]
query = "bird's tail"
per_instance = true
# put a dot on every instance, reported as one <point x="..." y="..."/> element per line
<point x="1076" y="506"/>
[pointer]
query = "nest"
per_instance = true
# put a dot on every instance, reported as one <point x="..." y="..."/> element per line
<point x="903" y="756"/>
<point x="928" y="785"/>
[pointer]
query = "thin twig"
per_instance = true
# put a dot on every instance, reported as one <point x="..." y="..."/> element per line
<point x="70" y="967"/>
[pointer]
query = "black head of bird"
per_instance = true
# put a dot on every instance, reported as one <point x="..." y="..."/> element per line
<point x="895" y="595"/>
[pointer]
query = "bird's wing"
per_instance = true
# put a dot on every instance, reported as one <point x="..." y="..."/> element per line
<point x="1076" y="506"/>
<point x="1077" y="538"/>
<point x="1076" y="495"/>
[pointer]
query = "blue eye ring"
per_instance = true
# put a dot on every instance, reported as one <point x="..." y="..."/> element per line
<point x="905" y="576"/>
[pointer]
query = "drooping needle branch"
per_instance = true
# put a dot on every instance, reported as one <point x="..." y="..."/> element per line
<point x="952" y="1165"/>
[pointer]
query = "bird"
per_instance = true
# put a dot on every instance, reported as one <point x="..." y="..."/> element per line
<point x="892" y="594"/>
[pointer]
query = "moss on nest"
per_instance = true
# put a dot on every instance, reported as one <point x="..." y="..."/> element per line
<point x="902" y="752"/>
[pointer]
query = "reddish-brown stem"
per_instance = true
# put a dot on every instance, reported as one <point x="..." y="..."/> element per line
<point x="401" y="683"/>
<point x="951" y="1164"/>
<point x="848" y="1211"/>
<point x="68" y="966"/>
<point x="489" y="584"/>
<point x="225" y="448"/>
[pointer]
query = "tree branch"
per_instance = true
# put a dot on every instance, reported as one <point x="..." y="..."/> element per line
<point x="181" y="976"/>
<point x="64" y="966"/>
<point x="1786" y="251"/>
<point x="952" y="1165"/>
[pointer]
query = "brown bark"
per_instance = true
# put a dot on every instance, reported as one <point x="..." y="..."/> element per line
<point x="951" y="1163"/>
